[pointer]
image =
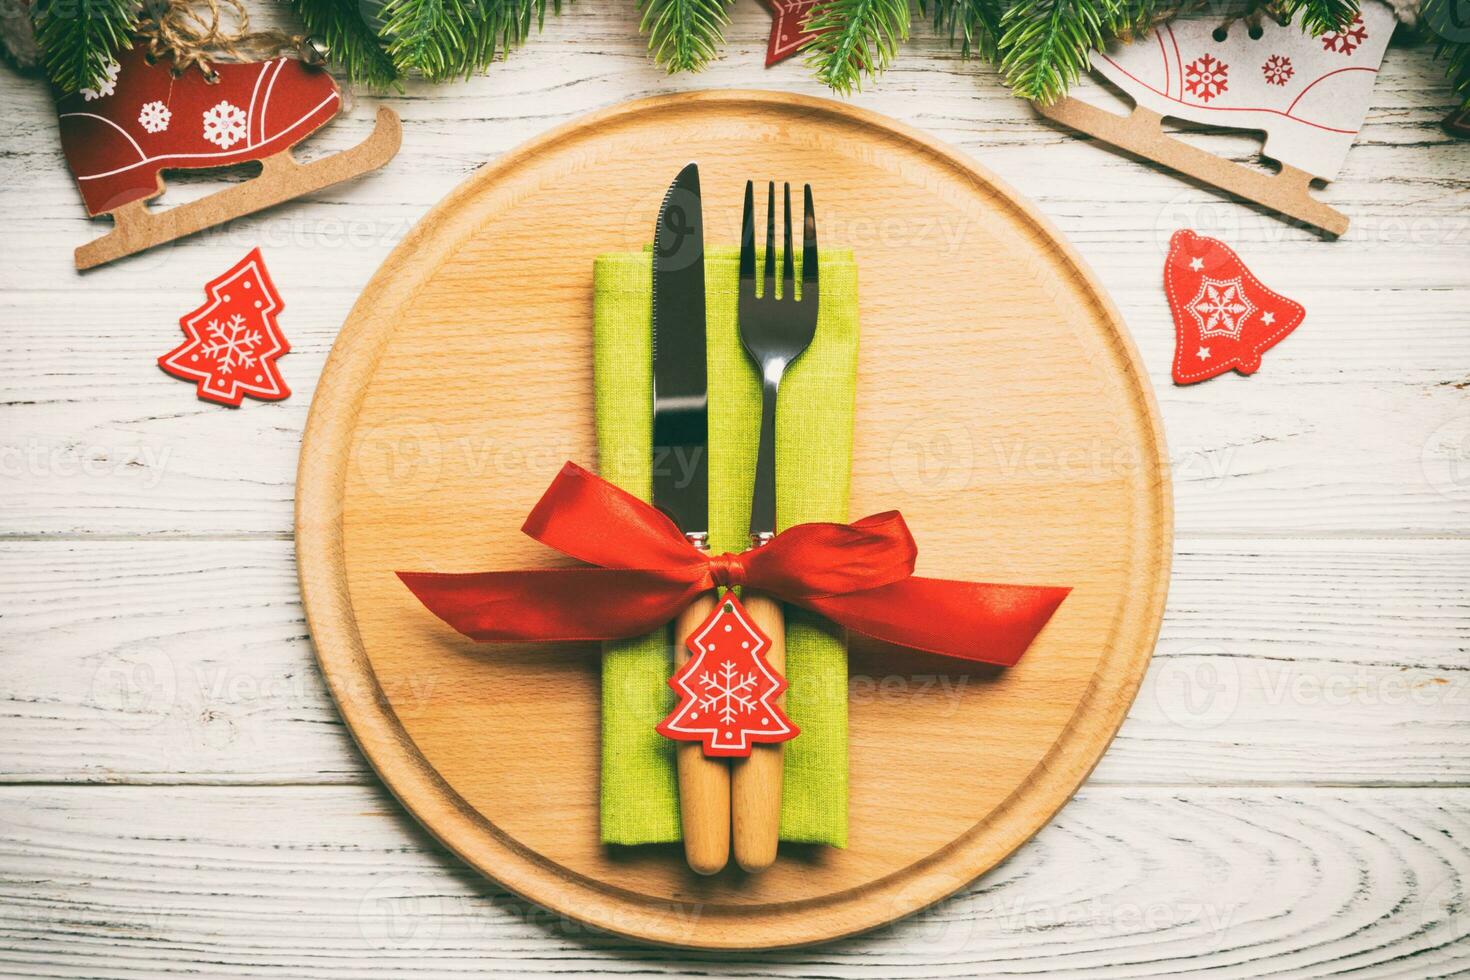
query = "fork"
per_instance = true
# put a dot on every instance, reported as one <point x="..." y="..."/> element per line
<point x="775" y="331"/>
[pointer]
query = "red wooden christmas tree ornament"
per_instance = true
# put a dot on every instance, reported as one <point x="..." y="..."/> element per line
<point x="233" y="340"/>
<point x="1224" y="318"/>
<point x="727" y="691"/>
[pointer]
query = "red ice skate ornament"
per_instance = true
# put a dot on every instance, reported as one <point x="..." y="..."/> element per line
<point x="1307" y="94"/>
<point x="727" y="690"/>
<point x="121" y="136"/>
<point x="1224" y="319"/>
<point x="233" y="339"/>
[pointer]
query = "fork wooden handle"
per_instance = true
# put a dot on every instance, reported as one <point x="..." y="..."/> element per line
<point x="704" y="783"/>
<point x="756" y="781"/>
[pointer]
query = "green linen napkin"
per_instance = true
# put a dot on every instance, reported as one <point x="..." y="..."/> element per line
<point x="640" y="795"/>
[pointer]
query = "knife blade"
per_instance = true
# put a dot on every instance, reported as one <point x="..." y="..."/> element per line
<point x="680" y="397"/>
<point x="681" y="478"/>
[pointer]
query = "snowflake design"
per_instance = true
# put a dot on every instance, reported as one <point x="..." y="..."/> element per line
<point x="1278" y="70"/>
<point x="108" y="86"/>
<point x="1206" y="77"/>
<point x="1221" y="308"/>
<point x="224" y="125"/>
<point x="1346" y="41"/>
<point x="232" y="344"/>
<point x="728" y="692"/>
<point x="154" y="117"/>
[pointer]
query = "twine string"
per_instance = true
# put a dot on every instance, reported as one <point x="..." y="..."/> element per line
<point x="195" y="33"/>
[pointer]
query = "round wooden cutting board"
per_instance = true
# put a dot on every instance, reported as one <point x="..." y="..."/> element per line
<point x="1000" y="405"/>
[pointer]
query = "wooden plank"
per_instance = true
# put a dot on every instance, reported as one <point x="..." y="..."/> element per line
<point x="1300" y="662"/>
<point x="318" y="882"/>
<point x="98" y="441"/>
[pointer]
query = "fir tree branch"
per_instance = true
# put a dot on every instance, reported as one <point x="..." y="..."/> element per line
<point x="1129" y="20"/>
<point x="854" y="38"/>
<point x="1318" y="16"/>
<point x="976" y="23"/>
<point x="1445" y="20"/>
<point x="350" y="41"/>
<point x="1045" y="44"/>
<point x="443" y="39"/>
<point x="423" y="36"/>
<point x="80" y="38"/>
<point x="507" y="27"/>
<point x="684" y="35"/>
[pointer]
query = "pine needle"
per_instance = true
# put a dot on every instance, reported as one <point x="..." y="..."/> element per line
<point x="1041" y="46"/>
<point x="444" y="39"/>
<point x="1444" y="20"/>
<point x="974" y="23"/>
<point x="1129" y="20"/>
<point x="855" y="38"/>
<point x="684" y="35"/>
<point x="81" y="38"/>
<point x="1045" y="44"/>
<point x="1318" y="16"/>
<point x="350" y="41"/>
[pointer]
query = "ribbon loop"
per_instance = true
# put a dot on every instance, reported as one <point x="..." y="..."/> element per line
<point x="858" y="575"/>
<point x="727" y="570"/>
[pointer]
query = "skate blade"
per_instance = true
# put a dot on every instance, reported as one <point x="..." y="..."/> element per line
<point x="1141" y="133"/>
<point x="136" y="228"/>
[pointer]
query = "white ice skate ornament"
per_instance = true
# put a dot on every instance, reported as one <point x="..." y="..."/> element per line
<point x="1307" y="94"/>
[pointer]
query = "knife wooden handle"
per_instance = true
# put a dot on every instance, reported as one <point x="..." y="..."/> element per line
<point x="704" y="783"/>
<point x="756" y="781"/>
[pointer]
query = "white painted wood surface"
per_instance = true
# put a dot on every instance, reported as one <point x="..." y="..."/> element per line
<point x="1288" y="796"/>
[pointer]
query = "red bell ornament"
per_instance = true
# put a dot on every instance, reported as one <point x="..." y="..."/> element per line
<point x="1224" y="317"/>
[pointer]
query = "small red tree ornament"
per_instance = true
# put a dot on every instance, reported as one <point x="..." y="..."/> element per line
<point x="727" y="690"/>
<point x="1224" y="318"/>
<point x="233" y="340"/>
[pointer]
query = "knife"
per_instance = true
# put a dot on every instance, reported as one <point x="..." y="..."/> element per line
<point x="681" y="477"/>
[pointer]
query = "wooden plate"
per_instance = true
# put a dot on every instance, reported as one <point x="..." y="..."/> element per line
<point x="1000" y="405"/>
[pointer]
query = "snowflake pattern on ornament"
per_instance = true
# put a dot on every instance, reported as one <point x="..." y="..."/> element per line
<point x="1346" y="41"/>
<point x="108" y="86"/>
<point x="224" y="125"/>
<point x="1278" y="69"/>
<point x="728" y="693"/>
<point x="1225" y="318"/>
<point x="729" y="706"/>
<point x="154" y="117"/>
<point x="232" y="344"/>
<point x="1221" y="308"/>
<point x="1206" y="77"/>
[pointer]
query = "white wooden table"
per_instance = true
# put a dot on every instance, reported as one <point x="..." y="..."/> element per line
<point x="1290" y="795"/>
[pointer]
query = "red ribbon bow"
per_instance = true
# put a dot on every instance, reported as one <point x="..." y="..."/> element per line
<point x="858" y="575"/>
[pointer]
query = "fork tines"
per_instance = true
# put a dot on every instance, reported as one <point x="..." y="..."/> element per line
<point x="809" y="276"/>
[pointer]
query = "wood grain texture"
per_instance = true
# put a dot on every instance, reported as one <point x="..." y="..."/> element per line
<point x="326" y="882"/>
<point x="704" y="783"/>
<point x="755" y="781"/>
<point x="1281" y="662"/>
<point x="1382" y="350"/>
<point x="433" y="348"/>
<point x="1313" y="641"/>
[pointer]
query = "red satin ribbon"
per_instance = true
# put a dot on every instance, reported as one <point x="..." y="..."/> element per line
<point x="858" y="575"/>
